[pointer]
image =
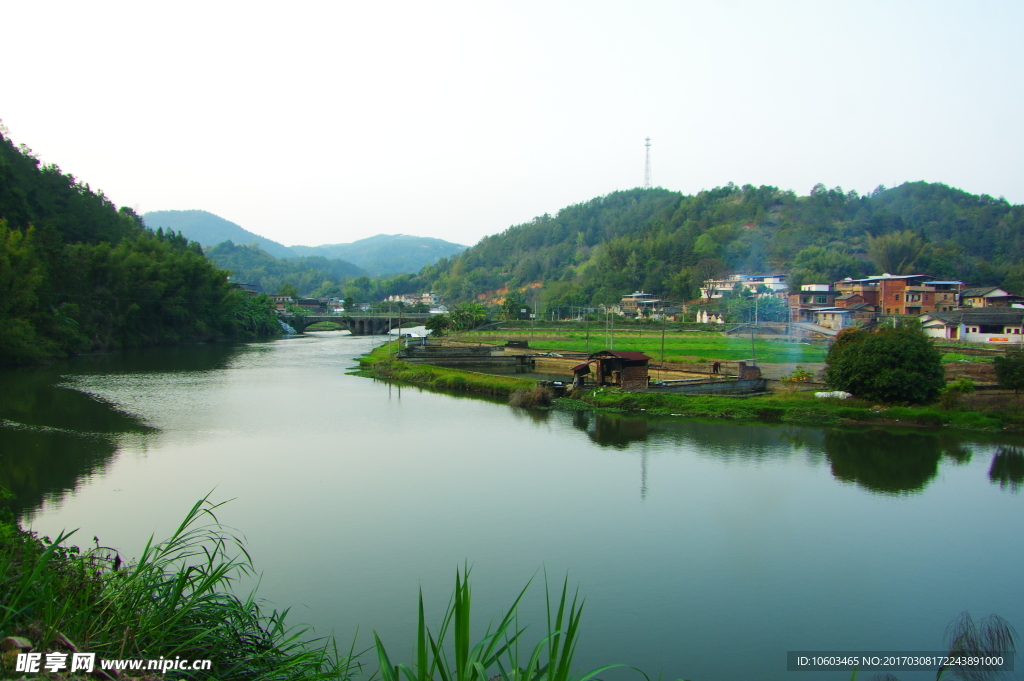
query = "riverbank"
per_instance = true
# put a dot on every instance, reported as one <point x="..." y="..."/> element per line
<point x="987" y="413"/>
<point x="381" y="363"/>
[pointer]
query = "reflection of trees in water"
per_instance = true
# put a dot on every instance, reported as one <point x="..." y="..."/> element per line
<point x="890" y="462"/>
<point x="51" y="437"/>
<point x="1007" y="468"/>
<point x="42" y="464"/>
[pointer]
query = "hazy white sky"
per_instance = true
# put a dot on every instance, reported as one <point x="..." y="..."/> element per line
<point x="326" y="122"/>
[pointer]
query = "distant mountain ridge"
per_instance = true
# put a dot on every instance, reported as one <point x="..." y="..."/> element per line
<point x="209" y="230"/>
<point x="380" y="255"/>
<point x="386" y="254"/>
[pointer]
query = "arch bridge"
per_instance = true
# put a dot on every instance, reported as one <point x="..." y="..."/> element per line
<point x="358" y="325"/>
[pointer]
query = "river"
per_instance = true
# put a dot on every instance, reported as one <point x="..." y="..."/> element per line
<point x="705" y="550"/>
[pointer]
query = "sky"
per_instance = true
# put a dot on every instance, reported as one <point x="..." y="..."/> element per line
<point x="327" y="122"/>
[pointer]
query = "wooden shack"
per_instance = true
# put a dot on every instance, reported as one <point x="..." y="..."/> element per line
<point x="624" y="368"/>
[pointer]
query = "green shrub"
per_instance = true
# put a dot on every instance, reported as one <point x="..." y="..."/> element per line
<point x="1010" y="369"/>
<point x="951" y="395"/>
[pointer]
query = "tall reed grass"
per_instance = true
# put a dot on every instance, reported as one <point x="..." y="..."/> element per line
<point x="177" y="599"/>
<point x="448" y="653"/>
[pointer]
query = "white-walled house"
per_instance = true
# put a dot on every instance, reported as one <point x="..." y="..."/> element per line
<point x="998" y="325"/>
<point x="715" y="288"/>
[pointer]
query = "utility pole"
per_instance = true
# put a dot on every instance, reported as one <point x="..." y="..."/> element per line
<point x="664" y="324"/>
<point x="647" y="164"/>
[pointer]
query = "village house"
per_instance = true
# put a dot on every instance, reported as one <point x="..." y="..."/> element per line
<point x="310" y="304"/>
<point x="250" y="289"/>
<point x="990" y="296"/>
<point x="811" y="297"/>
<point x="633" y="304"/>
<point x="626" y="369"/>
<point x="839" y="318"/>
<point x="716" y="288"/>
<point x="900" y="294"/>
<point x="1000" y="325"/>
<point x="427" y="298"/>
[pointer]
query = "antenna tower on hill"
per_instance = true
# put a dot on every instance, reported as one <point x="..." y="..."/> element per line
<point x="647" y="165"/>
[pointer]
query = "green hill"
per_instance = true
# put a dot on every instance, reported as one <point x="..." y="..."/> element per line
<point x="79" y="274"/>
<point x="387" y="254"/>
<point x="252" y="265"/>
<point x="209" y="230"/>
<point x="667" y="243"/>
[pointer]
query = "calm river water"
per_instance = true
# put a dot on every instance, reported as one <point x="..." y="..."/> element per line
<point x="705" y="550"/>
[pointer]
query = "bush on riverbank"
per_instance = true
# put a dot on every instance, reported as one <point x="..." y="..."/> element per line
<point x="537" y="396"/>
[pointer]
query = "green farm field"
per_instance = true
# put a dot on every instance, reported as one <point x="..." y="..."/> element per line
<point x="679" y="347"/>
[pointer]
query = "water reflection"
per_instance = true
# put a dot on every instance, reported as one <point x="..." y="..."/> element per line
<point x="896" y="462"/>
<point x="1007" y="468"/>
<point x="890" y="462"/>
<point x="54" y="436"/>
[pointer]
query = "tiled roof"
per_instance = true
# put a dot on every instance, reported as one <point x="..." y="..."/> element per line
<point x="624" y="354"/>
<point x="981" y="315"/>
<point x="977" y="292"/>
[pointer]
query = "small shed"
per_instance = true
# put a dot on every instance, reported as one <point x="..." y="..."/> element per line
<point x="626" y="369"/>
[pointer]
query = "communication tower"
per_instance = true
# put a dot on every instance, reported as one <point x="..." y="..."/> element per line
<point x="647" y="165"/>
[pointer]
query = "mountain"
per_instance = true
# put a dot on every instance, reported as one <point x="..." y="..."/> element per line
<point x="387" y="254"/>
<point x="381" y="255"/>
<point x="209" y="230"/>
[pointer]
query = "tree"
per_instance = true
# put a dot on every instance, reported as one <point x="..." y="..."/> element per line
<point x="438" y="324"/>
<point x="891" y="365"/>
<point x="467" y="316"/>
<point x="896" y="253"/>
<point x="288" y="289"/>
<point x="1010" y="369"/>
<point x="511" y="306"/>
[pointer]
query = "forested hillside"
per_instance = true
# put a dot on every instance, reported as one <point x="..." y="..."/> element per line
<point x="252" y="265"/>
<point x="79" y="274"/>
<point x="666" y="243"/>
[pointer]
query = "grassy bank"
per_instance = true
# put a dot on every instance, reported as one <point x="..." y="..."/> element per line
<point x="381" y="364"/>
<point x="977" y="412"/>
<point x="681" y="347"/>
<point x="804" y="408"/>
